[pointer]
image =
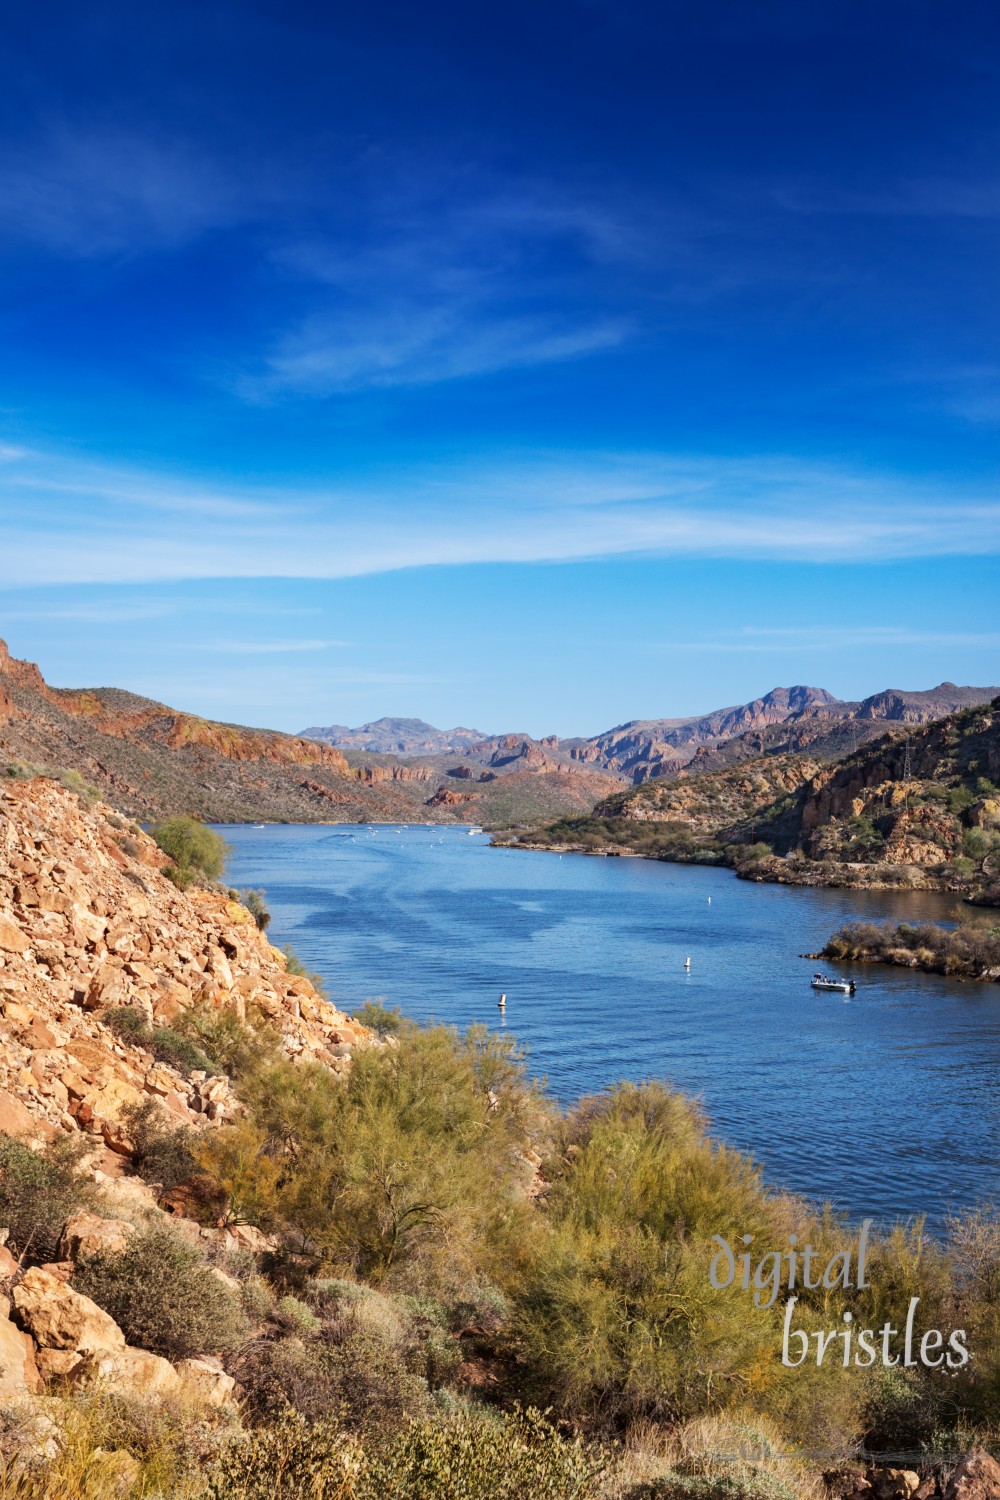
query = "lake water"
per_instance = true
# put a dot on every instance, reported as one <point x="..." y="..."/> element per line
<point x="886" y="1104"/>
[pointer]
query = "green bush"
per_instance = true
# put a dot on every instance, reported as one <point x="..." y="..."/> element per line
<point x="161" y="1153"/>
<point x="198" y="853"/>
<point x="163" y="1297"/>
<point x="166" y="1045"/>
<point x="39" y="1191"/>
<point x="346" y="1367"/>
<point x="474" y="1456"/>
<point x="416" y="1156"/>
<point x="481" y="1456"/>
<point x="230" y="1045"/>
<point x="382" y="1018"/>
<point x="290" y="1460"/>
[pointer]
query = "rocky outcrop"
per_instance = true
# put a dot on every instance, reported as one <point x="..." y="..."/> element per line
<point x="205" y="1381"/>
<point x="60" y="1319"/>
<point x="19" y="1374"/>
<point x="88" y="924"/>
<point x="797" y="720"/>
<point x="977" y="1477"/>
<point x="88" y="1234"/>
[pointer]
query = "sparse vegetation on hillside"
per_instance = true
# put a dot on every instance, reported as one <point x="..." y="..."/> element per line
<point x="916" y="806"/>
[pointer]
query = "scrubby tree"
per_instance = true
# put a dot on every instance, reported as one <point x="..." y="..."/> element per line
<point x="197" y="852"/>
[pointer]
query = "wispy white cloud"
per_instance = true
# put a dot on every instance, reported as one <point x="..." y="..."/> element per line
<point x="268" y="648"/>
<point x="532" y="508"/>
<point x="798" y="639"/>
<point x="439" y="280"/>
<point x="88" y="192"/>
<point x="420" y="347"/>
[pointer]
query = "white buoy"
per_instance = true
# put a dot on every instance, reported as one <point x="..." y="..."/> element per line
<point x="502" y="1002"/>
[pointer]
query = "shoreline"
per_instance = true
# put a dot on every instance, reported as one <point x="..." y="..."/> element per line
<point x="775" y="870"/>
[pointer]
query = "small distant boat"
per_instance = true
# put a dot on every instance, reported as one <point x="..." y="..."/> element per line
<point x="474" y="831"/>
<point x="841" y="986"/>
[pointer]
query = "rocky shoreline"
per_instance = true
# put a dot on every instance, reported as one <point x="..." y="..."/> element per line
<point x="775" y="870"/>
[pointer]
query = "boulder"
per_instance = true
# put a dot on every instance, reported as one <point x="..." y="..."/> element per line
<point x="12" y="939"/>
<point x="976" y="1478"/>
<point x="136" y="1372"/>
<point x="19" y="1376"/>
<point x="87" y="1234"/>
<point x="59" y="1318"/>
<point x="205" y="1381"/>
<point x="60" y="1364"/>
<point x="894" y="1484"/>
<point x="15" y="1119"/>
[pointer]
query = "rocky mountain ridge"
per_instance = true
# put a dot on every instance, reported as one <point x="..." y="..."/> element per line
<point x="389" y="736"/>
<point x="90" y="931"/>
<point x="148" y="760"/>
<point x="786" y="720"/>
<point x="919" y="806"/>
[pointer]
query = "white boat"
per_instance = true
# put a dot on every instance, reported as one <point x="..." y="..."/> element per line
<point x="841" y="986"/>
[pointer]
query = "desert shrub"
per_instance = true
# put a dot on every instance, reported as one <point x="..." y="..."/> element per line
<point x="382" y="1018"/>
<point x="614" y="1312"/>
<point x="163" y="1296"/>
<point x="292" y="1460"/>
<point x="901" y="1413"/>
<point x="479" y="1455"/>
<point x="167" y="1045"/>
<point x="345" y="1367"/>
<point x="161" y="1152"/>
<point x="198" y="853"/>
<point x="752" y="854"/>
<point x="258" y="1298"/>
<point x="960" y="798"/>
<point x="414" y="1160"/>
<point x="257" y="907"/>
<point x="20" y="770"/>
<point x="760" y="1486"/>
<point x="39" y="1190"/>
<point x="472" y="1456"/>
<point x="969" y="949"/>
<point x="230" y="1045"/>
<point x="295" y="1316"/>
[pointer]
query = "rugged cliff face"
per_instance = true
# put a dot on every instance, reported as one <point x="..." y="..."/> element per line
<point x="150" y="761"/>
<point x="796" y="720"/>
<point x="917" y="806"/>
<point x="713" y="804"/>
<point x="88" y="925"/>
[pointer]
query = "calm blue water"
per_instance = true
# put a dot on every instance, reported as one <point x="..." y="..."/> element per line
<point x="887" y="1104"/>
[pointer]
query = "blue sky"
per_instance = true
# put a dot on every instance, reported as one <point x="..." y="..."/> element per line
<point x="534" y="366"/>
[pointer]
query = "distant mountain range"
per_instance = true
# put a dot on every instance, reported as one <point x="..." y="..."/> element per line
<point x="785" y="720"/>
<point x="150" y="760"/>
<point x="396" y="737"/>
